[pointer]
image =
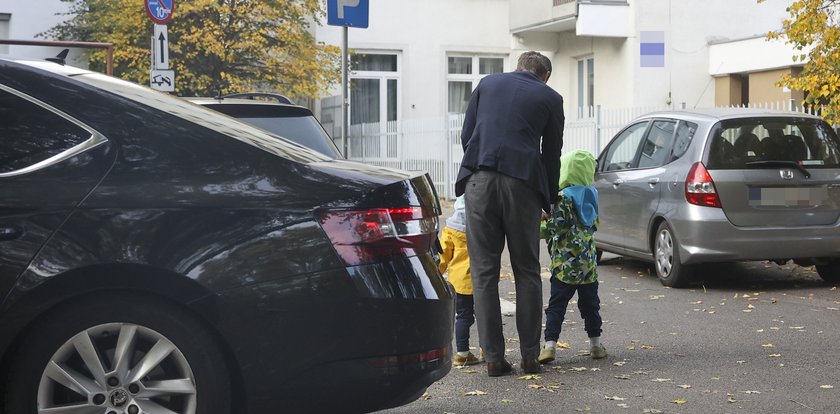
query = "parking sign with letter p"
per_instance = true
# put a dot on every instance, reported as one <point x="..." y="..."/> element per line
<point x="352" y="13"/>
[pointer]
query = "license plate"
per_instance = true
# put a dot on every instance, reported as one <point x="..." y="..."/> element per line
<point x="788" y="196"/>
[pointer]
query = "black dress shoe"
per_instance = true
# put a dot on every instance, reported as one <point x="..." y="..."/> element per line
<point x="531" y="366"/>
<point x="497" y="369"/>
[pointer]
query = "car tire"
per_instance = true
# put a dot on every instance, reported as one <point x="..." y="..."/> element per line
<point x="120" y="355"/>
<point x="666" y="258"/>
<point x="830" y="272"/>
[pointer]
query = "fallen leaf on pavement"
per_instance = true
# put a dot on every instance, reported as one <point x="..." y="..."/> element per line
<point x="530" y="377"/>
<point x="661" y="380"/>
<point x="774" y="356"/>
<point x="684" y="386"/>
<point x="563" y="345"/>
<point x="426" y="396"/>
<point x="474" y="393"/>
<point x="645" y="346"/>
<point x="584" y="409"/>
<point x="679" y="401"/>
<point x="826" y="387"/>
<point x="731" y="399"/>
<point x="623" y="405"/>
<point x="622" y="377"/>
<point x="619" y="363"/>
<point x="651" y="411"/>
<point x="469" y="371"/>
<point x="506" y="401"/>
<point x="579" y="369"/>
<point x="767" y="346"/>
<point x="614" y="398"/>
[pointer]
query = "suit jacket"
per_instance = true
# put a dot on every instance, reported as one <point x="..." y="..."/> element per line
<point x="507" y="115"/>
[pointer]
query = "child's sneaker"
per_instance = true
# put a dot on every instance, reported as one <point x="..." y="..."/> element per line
<point x="462" y="361"/>
<point x="547" y="355"/>
<point x="598" y="352"/>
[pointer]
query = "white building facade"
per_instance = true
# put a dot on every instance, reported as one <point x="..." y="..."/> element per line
<point x="21" y="20"/>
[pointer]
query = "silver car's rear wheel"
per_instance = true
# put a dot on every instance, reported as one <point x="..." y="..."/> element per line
<point x="117" y="368"/>
<point x="669" y="269"/>
<point x="830" y="272"/>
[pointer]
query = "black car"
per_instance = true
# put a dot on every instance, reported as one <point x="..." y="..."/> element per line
<point x="156" y="257"/>
<point x="276" y="114"/>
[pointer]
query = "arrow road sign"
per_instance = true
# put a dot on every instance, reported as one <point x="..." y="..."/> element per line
<point x="162" y="80"/>
<point x="160" y="48"/>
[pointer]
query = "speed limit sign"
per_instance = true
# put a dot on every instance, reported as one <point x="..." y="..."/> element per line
<point x="160" y="11"/>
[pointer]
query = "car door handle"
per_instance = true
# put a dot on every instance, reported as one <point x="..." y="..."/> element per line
<point x="653" y="181"/>
<point x="10" y="233"/>
<point x="617" y="183"/>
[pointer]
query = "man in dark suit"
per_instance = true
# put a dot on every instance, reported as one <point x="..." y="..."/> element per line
<point x="508" y="175"/>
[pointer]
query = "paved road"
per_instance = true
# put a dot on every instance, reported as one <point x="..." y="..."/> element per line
<point x="750" y="338"/>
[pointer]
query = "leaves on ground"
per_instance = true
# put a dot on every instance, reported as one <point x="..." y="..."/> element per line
<point x="506" y="401"/>
<point x="826" y="387"/>
<point x="530" y="377"/>
<point x="613" y="398"/>
<point x="679" y="401"/>
<point x="661" y="380"/>
<point x="474" y="393"/>
<point x="684" y="386"/>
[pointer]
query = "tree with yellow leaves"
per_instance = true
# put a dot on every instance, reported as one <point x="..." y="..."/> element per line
<point x="814" y="30"/>
<point x="215" y="46"/>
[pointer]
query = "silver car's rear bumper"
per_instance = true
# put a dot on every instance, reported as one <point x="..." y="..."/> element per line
<point x="705" y="235"/>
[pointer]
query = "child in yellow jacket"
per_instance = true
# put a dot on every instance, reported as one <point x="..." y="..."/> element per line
<point x="456" y="261"/>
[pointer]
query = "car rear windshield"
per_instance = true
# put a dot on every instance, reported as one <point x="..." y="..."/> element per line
<point x="294" y="123"/>
<point x="741" y="143"/>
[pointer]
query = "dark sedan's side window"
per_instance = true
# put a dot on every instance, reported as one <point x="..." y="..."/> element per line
<point x="30" y="133"/>
<point x="622" y="150"/>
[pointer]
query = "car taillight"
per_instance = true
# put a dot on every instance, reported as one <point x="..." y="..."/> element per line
<point x="368" y="236"/>
<point x="699" y="187"/>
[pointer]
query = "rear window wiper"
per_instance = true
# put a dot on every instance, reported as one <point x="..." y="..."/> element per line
<point x="780" y="163"/>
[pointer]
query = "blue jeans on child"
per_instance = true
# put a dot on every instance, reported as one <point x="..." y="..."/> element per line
<point x="464" y="319"/>
<point x="588" y="303"/>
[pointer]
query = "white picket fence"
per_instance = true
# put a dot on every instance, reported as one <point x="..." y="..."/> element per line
<point x="434" y="145"/>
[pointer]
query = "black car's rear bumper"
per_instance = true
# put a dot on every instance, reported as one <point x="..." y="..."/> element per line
<point x="378" y="334"/>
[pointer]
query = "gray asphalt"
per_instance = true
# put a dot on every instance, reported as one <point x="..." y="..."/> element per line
<point x="745" y="338"/>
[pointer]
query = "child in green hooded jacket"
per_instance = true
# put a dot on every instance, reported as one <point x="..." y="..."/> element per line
<point x="569" y="231"/>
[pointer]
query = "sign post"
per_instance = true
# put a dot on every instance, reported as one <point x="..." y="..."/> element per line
<point x="160" y="77"/>
<point x="346" y="13"/>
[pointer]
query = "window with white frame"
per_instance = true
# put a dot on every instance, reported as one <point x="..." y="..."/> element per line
<point x="463" y="74"/>
<point x="4" y="31"/>
<point x="586" y="86"/>
<point x="374" y="84"/>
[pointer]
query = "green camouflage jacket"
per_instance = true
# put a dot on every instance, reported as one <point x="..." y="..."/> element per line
<point x="571" y="245"/>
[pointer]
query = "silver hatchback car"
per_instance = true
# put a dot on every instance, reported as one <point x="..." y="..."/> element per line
<point x="687" y="187"/>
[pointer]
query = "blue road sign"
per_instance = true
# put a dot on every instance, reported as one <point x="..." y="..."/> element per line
<point x="352" y="13"/>
<point x="160" y="11"/>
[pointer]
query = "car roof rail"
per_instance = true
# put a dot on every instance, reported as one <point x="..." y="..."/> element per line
<point x="253" y="95"/>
